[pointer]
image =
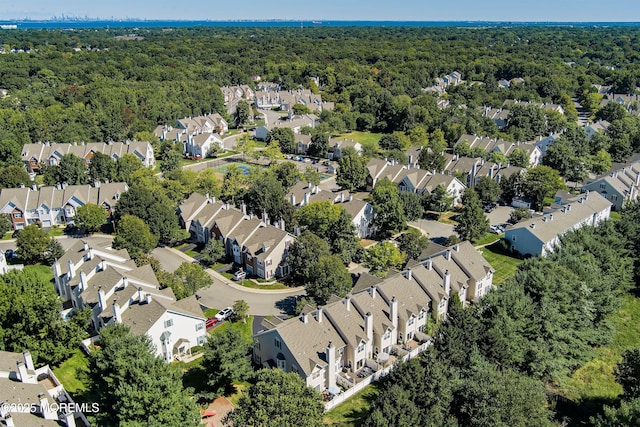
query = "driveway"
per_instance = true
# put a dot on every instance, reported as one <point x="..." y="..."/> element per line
<point x="500" y="215"/>
<point x="437" y="231"/>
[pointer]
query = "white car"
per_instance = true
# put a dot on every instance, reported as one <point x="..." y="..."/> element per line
<point x="224" y="314"/>
<point x="240" y="275"/>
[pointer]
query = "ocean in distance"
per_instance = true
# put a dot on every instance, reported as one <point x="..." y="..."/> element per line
<point x="85" y="24"/>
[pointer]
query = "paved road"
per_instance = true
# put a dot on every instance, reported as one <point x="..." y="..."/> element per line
<point x="223" y="292"/>
<point x="500" y="215"/>
<point x="437" y="231"/>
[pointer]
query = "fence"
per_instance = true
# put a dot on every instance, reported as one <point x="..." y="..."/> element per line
<point x="368" y="380"/>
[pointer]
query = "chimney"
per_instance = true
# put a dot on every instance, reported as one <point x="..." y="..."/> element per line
<point x="446" y="282"/>
<point x="70" y="419"/>
<point x="282" y="224"/>
<point x="305" y="318"/>
<point x="140" y="295"/>
<point x="409" y="274"/>
<point x="243" y="207"/>
<point x="148" y="298"/>
<point x="306" y="198"/>
<point x="368" y="326"/>
<point x="9" y="421"/>
<point x="533" y="226"/>
<point x="393" y="311"/>
<point x="342" y="197"/>
<point x="72" y="269"/>
<point x="34" y="186"/>
<point x="351" y="196"/>
<point x="22" y="372"/>
<point x="293" y="199"/>
<point x="347" y="302"/>
<point x="85" y="246"/>
<point x="319" y="314"/>
<point x="309" y="186"/>
<point x="550" y="217"/>
<point x="45" y="410"/>
<point x="28" y="360"/>
<point x="429" y="264"/>
<point x="410" y="162"/>
<point x="101" y="298"/>
<point x="448" y="255"/>
<point x="125" y="282"/>
<point x="456" y="247"/>
<point x="96" y="183"/>
<point x="372" y="291"/>
<point x="226" y="206"/>
<point x="83" y="280"/>
<point x="117" y="315"/>
<point x="331" y="365"/>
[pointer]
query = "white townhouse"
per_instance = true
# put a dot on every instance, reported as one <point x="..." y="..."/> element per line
<point x="619" y="187"/>
<point x="109" y="283"/>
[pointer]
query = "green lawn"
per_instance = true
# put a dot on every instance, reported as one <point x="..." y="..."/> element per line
<point x="43" y="271"/>
<point x="504" y="264"/>
<point x="362" y="137"/>
<point x="245" y="329"/>
<point x="56" y="231"/>
<point x="352" y="411"/>
<point x="210" y="312"/>
<point x="73" y="373"/>
<point x="594" y="380"/>
<point x="8" y="235"/>
<point x="615" y="215"/>
<point x="488" y="239"/>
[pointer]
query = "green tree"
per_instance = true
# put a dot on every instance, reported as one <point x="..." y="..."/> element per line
<point x="277" y="399"/>
<point x="439" y="200"/>
<point x="287" y="173"/>
<point x="207" y="182"/>
<point x="600" y="162"/>
<point x="383" y="256"/>
<point x="153" y="207"/>
<point x="266" y="194"/>
<point x="5" y="224"/>
<point x="627" y="373"/>
<point x="519" y="214"/>
<point x="540" y="182"/>
<point x="307" y="248"/>
<point x="627" y="414"/>
<point x="170" y="162"/>
<point x="240" y="310"/>
<point x="127" y="165"/>
<point x="284" y="137"/>
<point x="352" y="171"/>
<point x="328" y="276"/>
<point x="395" y="141"/>
<point x="311" y="175"/>
<point x="300" y="109"/>
<point x="243" y="113"/>
<point x="412" y="243"/>
<point x="234" y="181"/>
<point x="212" y="252"/>
<point x="69" y="170"/>
<point x="246" y="146"/>
<point x="135" y="387"/>
<point x="472" y="222"/>
<point x="32" y="243"/>
<point x="133" y="234"/>
<point x="388" y="210"/>
<point x="53" y="251"/>
<point x="30" y="318"/>
<point x="319" y="144"/>
<point x="226" y="359"/>
<point x="191" y="278"/>
<point x="272" y="152"/>
<point x="102" y="167"/>
<point x="488" y="190"/>
<point x="14" y="176"/>
<point x="519" y="157"/>
<point x="411" y="203"/>
<point x="90" y="217"/>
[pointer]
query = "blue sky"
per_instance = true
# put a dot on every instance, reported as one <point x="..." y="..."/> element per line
<point x="403" y="10"/>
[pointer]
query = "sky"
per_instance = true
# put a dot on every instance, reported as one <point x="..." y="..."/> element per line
<point x="390" y="10"/>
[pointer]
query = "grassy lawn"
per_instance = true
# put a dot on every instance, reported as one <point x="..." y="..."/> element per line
<point x="352" y="411"/>
<point x="210" y="312"/>
<point x="43" y="271"/>
<point x="8" y="235"/>
<point x="594" y="380"/>
<point x="504" y="264"/>
<point x="488" y="239"/>
<point x="266" y="286"/>
<point x="615" y="215"/>
<point x="245" y="329"/>
<point x="362" y="137"/>
<point x="56" y="231"/>
<point x="445" y="218"/>
<point x="74" y="373"/>
<point x="240" y="388"/>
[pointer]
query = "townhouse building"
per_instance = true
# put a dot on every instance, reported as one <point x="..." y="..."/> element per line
<point x="618" y="187"/>
<point x="333" y="345"/>
<point x="108" y="283"/>
<point x="51" y="206"/>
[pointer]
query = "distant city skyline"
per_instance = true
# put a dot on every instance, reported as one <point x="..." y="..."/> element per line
<point x="372" y="10"/>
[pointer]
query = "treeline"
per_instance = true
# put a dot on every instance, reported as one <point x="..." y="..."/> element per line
<point x="490" y="362"/>
<point x="374" y="75"/>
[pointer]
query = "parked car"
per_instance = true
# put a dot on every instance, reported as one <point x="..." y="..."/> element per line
<point x="489" y="207"/>
<point x="224" y="314"/>
<point x="494" y="229"/>
<point x="240" y="275"/>
<point x="211" y="322"/>
<point x="10" y="254"/>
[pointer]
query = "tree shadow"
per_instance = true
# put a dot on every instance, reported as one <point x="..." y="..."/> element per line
<point x="287" y="305"/>
<point x="578" y="413"/>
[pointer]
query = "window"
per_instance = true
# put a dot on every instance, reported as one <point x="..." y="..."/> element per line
<point x="603" y="186"/>
<point x="17" y="215"/>
<point x="282" y="364"/>
<point x="361" y="347"/>
<point x="277" y="343"/>
<point x="316" y="374"/>
<point x="421" y="315"/>
<point x="513" y="238"/>
<point x="387" y="335"/>
<point x="200" y="326"/>
<point x="202" y="339"/>
<point x="411" y="320"/>
<point x="168" y="323"/>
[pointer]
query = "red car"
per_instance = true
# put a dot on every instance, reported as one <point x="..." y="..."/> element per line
<point x="211" y="322"/>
